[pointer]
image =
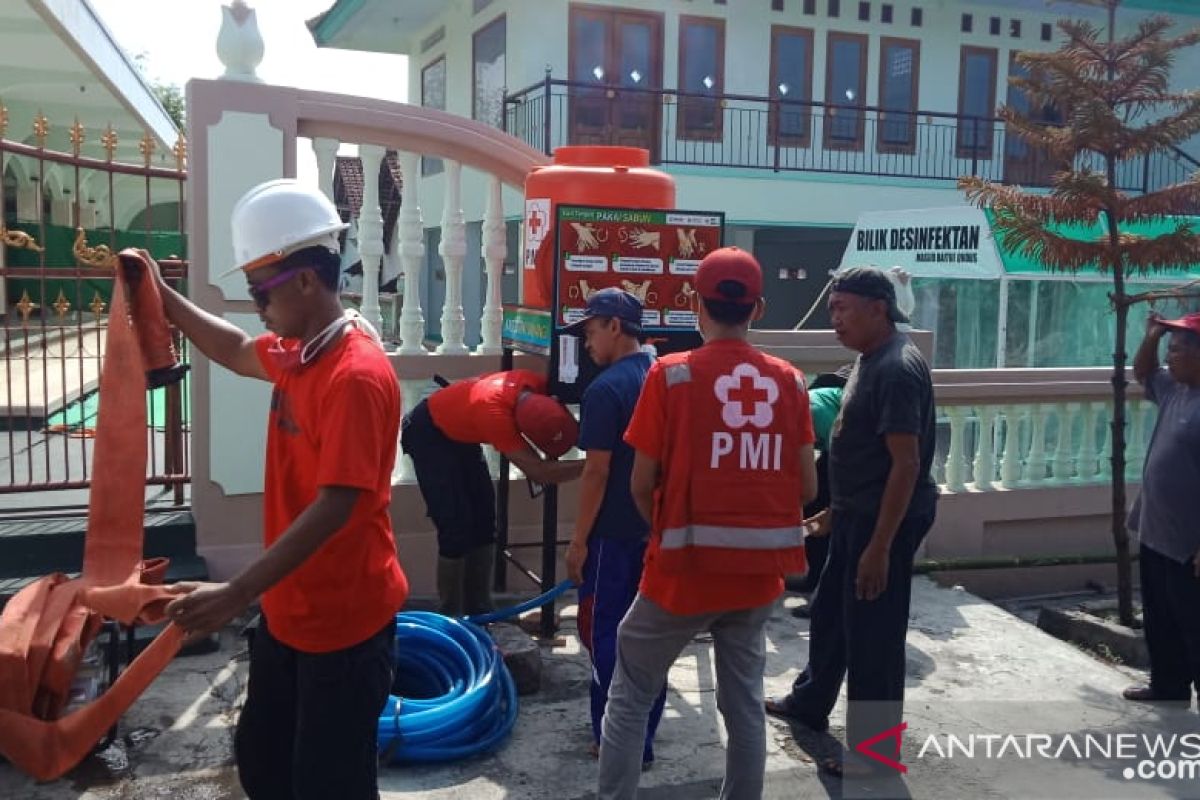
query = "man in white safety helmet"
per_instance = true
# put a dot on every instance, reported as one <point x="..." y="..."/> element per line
<point x="329" y="580"/>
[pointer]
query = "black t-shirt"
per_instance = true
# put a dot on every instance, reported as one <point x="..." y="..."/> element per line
<point x="889" y="391"/>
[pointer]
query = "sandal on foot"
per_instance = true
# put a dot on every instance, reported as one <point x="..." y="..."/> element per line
<point x="1147" y="694"/>
<point x="783" y="709"/>
<point x="855" y="770"/>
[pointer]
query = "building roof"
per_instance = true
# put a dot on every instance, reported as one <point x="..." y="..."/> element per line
<point x="58" y="58"/>
<point x="348" y="190"/>
<point x="370" y="26"/>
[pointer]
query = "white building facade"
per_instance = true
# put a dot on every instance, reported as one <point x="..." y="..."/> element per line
<point x="791" y="116"/>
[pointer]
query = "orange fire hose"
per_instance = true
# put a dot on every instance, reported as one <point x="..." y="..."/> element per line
<point x="46" y="628"/>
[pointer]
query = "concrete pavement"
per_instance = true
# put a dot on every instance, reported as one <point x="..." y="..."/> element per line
<point x="977" y="675"/>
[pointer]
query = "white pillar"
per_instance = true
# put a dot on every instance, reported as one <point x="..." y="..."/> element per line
<point x="412" y="257"/>
<point x="1086" y="469"/>
<point x="453" y="250"/>
<point x="1106" y="451"/>
<point x="494" y="248"/>
<point x="370" y="233"/>
<point x="1063" y="465"/>
<point x="985" y="456"/>
<point x="325" y="150"/>
<point x="1010" y="464"/>
<point x="1035" y="465"/>
<point x="1135" y="452"/>
<point x="956" y="465"/>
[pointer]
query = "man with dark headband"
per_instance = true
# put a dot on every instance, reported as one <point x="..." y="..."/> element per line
<point x="883" y="501"/>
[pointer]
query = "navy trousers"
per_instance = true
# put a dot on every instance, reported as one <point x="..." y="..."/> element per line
<point x="610" y="582"/>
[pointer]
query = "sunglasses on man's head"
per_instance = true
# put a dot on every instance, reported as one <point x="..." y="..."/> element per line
<point x="260" y="293"/>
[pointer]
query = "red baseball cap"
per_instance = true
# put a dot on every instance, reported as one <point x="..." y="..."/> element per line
<point x="731" y="275"/>
<point x="1191" y="322"/>
<point x="546" y="423"/>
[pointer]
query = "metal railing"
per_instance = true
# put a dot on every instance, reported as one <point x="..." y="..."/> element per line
<point x="779" y="134"/>
<point x="65" y="215"/>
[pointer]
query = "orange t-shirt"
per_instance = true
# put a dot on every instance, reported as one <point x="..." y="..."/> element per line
<point x="699" y="592"/>
<point x="334" y="422"/>
<point x="482" y="410"/>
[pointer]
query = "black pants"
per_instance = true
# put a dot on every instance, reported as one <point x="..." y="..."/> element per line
<point x="1171" y="618"/>
<point x="861" y="641"/>
<point x="310" y="724"/>
<point x="455" y="483"/>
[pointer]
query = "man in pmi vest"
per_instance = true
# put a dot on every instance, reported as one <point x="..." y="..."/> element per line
<point x="723" y="466"/>
<point x="883" y="504"/>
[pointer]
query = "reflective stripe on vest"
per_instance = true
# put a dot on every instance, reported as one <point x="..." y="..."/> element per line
<point x="732" y="538"/>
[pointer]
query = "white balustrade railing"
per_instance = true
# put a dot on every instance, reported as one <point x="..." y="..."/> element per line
<point x="1052" y="442"/>
<point x="409" y="246"/>
<point x="998" y="429"/>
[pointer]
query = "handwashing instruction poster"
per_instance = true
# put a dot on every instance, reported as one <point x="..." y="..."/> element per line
<point x="651" y="254"/>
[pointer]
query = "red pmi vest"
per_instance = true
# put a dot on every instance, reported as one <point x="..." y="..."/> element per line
<point x="730" y="499"/>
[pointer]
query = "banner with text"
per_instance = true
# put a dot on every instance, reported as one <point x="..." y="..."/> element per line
<point x="930" y="243"/>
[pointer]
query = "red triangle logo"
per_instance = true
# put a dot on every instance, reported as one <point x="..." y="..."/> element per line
<point x="864" y="747"/>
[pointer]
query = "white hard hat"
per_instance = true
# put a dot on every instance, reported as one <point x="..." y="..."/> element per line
<point x="279" y="217"/>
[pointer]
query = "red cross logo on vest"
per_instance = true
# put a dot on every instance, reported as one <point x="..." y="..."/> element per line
<point x="730" y="501"/>
<point x="746" y="397"/>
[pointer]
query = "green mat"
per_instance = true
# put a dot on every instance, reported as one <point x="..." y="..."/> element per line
<point x="82" y="413"/>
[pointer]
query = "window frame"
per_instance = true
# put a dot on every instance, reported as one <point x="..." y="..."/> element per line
<point x="687" y="134"/>
<point x="857" y="145"/>
<point x="432" y="165"/>
<point x="960" y="148"/>
<point x="915" y="83"/>
<point x="790" y="140"/>
<point x="500" y="19"/>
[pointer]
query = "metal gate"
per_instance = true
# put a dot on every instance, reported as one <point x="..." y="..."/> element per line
<point x="65" y="216"/>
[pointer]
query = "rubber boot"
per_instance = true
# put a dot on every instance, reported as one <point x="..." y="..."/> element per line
<point x="450" y="574"/>
<point x="480" y="571"/>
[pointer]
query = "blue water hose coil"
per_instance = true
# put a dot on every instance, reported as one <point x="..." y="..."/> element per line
<point x="454" y="696"/>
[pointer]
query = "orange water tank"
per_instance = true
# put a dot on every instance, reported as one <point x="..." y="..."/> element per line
<point x="584" y="176"/>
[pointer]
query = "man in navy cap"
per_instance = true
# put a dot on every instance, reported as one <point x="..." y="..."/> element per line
<point x="606" y="551"/>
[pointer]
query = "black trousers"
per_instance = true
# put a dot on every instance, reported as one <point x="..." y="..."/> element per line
<point x="1171" y="620"/>
<point x="309" y="728"/>
<point x="455" y="482"/>
<point x="816" y="548"/>
<point x="861" y="641"/>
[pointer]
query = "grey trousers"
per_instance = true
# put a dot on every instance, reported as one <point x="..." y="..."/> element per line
<point x="648" y="642"/>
